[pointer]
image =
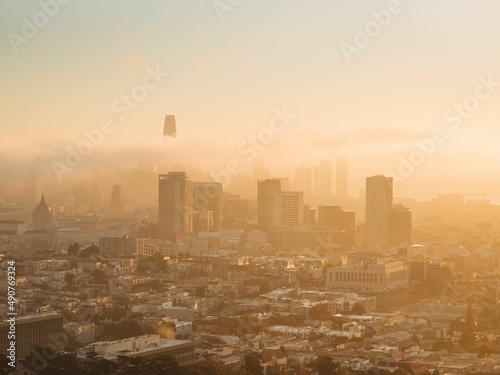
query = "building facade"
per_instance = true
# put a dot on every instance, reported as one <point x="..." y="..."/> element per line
<point x="42" y="216"/>
<point x="175" y="205"/>
<point x="121" y="245"/>
<point x="208" y="196"/>
<point x="342" y="222"/>
<point x="379" y="198"/>
<point x="292" y="237"/>
<point x="147" y="346"/>
<point x="381" y="274"/>
<point x="302" y="180"/>
<point x="286" y="208"/>
<point x="264" y="190"/>
<point x="34" y="330"/>
<point x="341" y="180"/>
<point x="323" y="179"/>
<point x="434" y="271"/>
<point x="400" y="225"/>
<point x="116" y="203"/>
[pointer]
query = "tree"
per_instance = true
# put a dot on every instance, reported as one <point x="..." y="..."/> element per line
<point x="99" y="277"/>
<point x="45" y="361"/>
<point x="165" y="365"/>
<point x="252" y="364"/>
<point x="483" y="351"/>
<point x="128" y="328"/>
<point x="100" y="366"/>
<point x="71" y="315"/>
<point x="300" y="370"/>
<point x="91" y="355"/>
<point x="73" y="248"/>
<point x="470" y="324"/>
<point x="63" y="364"/>
<point x="108" y="330"/>
<point x="69" y="278"/>
<point x="132" y="365"/>
<point x="441" y="344"/>
<point x="121" y="300"/>
<point x="161" y="263"/>
<point x="319" y="311"/>
<point x="137" y="315"/>
<point x="205" y="367"/>
<point x="116" y="313"/>
<point x="38" y="358"/>
<point x="325" y="365"/>
<point x="43" y="286"/>
<point x="415" y="338"/>
<point x="486" y="312"/>
<point x="358" y="309"/>
<point x="220" y="307"/>
<point x="468" y="337"/>
<point x="4" y="365"/>
<point x="87" y="252"/>
<point x="200" y="292"/>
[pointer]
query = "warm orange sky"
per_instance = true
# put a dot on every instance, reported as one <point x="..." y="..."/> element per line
<point x="228" y="71"/>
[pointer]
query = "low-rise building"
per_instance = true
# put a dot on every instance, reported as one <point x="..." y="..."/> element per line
<point x="381" y="274"/>
<point x="146" y="346"/>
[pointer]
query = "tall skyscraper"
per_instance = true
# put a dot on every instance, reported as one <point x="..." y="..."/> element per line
<point x="286" y="208"/>
<point x="309" y="215"/>
<point x="400" y="225"/>
<point x="95" y="194"/>
<point x="342" y="222"/>
<point x="379" y="195"/>
<point x="88" y="195"/>
<point x="329" y="216"/>
<point x="175" y="205"/>
<point x="264" y="190"/>
<point x="203" y="220"/>
<point x="259" y="172"/>
<point x="348" y="225"/>
<point x="116" y="203"/>
<point x="323" y="179"/>
<point x="302" y="180"/>
<point x="169" y="128"/>
<point x="208" y="196"/>
<point x="341" y="180"/>
<point x="237" y="211"/>
<point x="285" y="183"/>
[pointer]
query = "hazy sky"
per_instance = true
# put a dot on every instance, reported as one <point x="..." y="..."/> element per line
<point x="225" y="77"/>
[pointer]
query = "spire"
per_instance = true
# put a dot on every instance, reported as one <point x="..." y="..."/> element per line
<point x="470" y="324"/>
<point x="43" y="199"/>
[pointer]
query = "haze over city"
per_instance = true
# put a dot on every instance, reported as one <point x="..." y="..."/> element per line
<point x="226" y="76"/>
<point x="235" y="187"/>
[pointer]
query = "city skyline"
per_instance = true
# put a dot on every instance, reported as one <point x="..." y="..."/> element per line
<point x="236" y="187"/>
<point x="423" y="118"/>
